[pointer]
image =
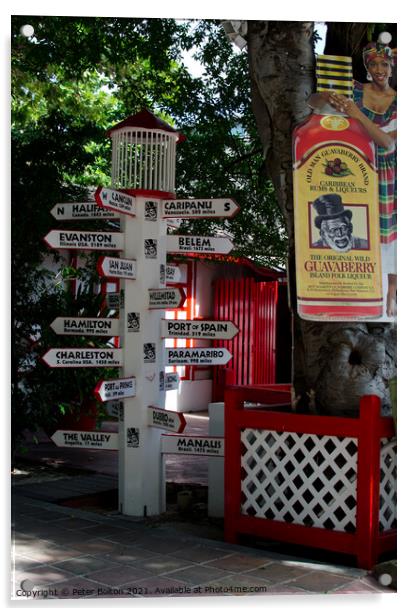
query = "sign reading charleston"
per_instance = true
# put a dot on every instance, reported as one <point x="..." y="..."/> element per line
<point x="199" y="356"/>
<point x="109" y="267"/>
<point x="77" y="326"/>
<point x="84" y="240"/>
<point x="83" y="358"/>
<point x="213" y="330"/>
<point x="199" y="208"/>
<point x="115" y="200"/>
<point x="85" y="440"/>
<point x="170" y="297"/>
<point x="198" y="244"/>
<point x="115" y="389"/>
<point x="81" y="211"/>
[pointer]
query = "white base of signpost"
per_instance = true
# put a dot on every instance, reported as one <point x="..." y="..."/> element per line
<point x="216" y="465"/>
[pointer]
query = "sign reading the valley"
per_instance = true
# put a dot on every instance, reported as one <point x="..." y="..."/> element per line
<point x="212" y="330"/>
<point x="115" y="200"/>
<point x="170" y="297"/>
<point x="197" y="357"/>
<point x="109" y="267"/>
<point x="76" y="211"/>
<point x="198" y="244"/>
<point x="167" y="420"/>
<point x="193" y="445"/>
<point x="78" y="326"/>
<point x="199" y="208"/>
<point x="85" y="440"/>
<point x="83" y="358"/>
<point x="114" y="389"/>
<point x="84" y="240"/>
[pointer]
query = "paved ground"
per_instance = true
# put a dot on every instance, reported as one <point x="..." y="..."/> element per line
<point x="62" y="552"/>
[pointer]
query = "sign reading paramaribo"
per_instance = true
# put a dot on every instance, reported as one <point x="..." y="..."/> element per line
<point x="199" y="356"/>
<point x="167" y="420"/>
<point x="83" y="326"/>
<point x="109" y="267"/>
<point x="115" y="200"/>
<point x="212" y="330"/>
<point x="84" y="240"/>
<point x="81" y="211"/>
<point x="193" y="445"/>
<point x="83" y="358"/>
<point x="115" y="389"/>
<point x="85" y="440"/>
<point x="198" y="244"/>
<point x="169" y="297"/>
<point x="338" y="258"/>
<point x="199" y="208"/>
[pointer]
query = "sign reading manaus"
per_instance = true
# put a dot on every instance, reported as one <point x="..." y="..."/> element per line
<point x="338" y="259"/>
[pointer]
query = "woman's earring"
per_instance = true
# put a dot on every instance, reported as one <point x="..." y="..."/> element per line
<point x="369" y="78"/>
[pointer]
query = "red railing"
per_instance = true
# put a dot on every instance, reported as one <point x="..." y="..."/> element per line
<point x="366" y="541"/>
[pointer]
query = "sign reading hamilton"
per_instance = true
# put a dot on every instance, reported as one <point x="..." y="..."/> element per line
<point x="78" y="326"/>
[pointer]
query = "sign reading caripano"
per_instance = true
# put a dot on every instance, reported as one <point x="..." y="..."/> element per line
<point x="199" y="208"/>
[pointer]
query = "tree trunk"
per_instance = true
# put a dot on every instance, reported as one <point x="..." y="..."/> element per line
<point x="334" y="363"/>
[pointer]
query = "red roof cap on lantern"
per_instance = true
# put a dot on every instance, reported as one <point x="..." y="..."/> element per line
<point x="146" y="119"/>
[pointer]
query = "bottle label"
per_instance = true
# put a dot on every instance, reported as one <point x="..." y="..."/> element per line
<point x="338" y="258"/>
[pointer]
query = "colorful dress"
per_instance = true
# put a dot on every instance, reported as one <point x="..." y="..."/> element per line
<point x="387" y="166"/>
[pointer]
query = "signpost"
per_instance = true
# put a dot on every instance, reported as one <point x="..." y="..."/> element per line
<point x="113" y="301"/>
<point x="185" y="244"/>
<point x="84" y="240"/>
<point x="81" y="211"/>
<point x="115" y="408"/>
<point x="167" y="420"/>
<point x="196" y="357"/>
<point x="83" y="358"/>
<point x="115" y="200"/>
<point x="115" y="389"/>
<point x="211" y="330"/>
<point x="85" y="440"/>
<point x="169" y="381"/>
<point x="193" y="445"/>
<point x="109" y="267"/>
<point x="167" y="298"/>
<point x="85" y="326"/>
<point x="172" y="273"/>
<point x="199" y="208"/>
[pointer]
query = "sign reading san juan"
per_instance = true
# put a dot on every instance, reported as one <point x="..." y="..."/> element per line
<point x="78" y="326"/>
<point x="198" y="244"/>
<point x="212" y="330"/>
<point x="84" y="240"/>
<point x="115" y="389"/>
<point x="167" y="420"/>
<point x="199" y="208"/>
<point x="109" y="267"/>
<point x="196" y="357"/>
<point x="75" y="211"/>
<point x="83" y="358"/>
<point x="115" y="200"/>
<point x="193" y="445"/>
<point x="170" y="297"/>
<point x="85" y="440"/>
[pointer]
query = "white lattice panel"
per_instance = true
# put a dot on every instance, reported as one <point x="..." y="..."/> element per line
<point x="388" y="485"/>
<point x="300" y="478"/>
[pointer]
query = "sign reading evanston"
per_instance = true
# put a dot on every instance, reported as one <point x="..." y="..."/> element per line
<point x="193" y="445"/>
<point x="115" y="200"/>
<point x="171" y="297"/>
<point x="199" y="208"/>
<point x="199" y="356"/>
<point x="212" y="330"/>
<point x="78" y="326"/>
<point x="77" y="211"/>
<point x="198" y="244"/>
<point x="85" y="440"/>
<point x="84" y="240"/>
<point x="115" y="389"/>
<point x="83" y="358"/>
<point x="110" y="267"/>
<point x="167" y="420"/>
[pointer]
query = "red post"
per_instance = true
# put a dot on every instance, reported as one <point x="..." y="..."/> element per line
<point x="233" y="401"/>
<point x="368" y="485"/>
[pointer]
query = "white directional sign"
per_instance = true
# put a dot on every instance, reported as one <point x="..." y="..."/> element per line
<point x="169" y="381"/>
<point x="193" y="445"/>
<point x="198" y="244"/>
<point x="197" y="357"/>
<point x="167" y="420"/>
<point x="170" y="297"/>
<point x="115" y="200"/>
<point x="83" y="358"/>
<point x="199" y="208"/>
<point x="85" y="440"/>
<point x="115" y="389"/>
<point x="75" y="211"/>
<point x="84" y="240"/>
<point x="113" y="301"/>
<point x="109" y="267"/>
<point x="212" y="330"/>
<point x="84" y="326"/>
<point x="172" y="273"/>
<point x="114" y="408"/>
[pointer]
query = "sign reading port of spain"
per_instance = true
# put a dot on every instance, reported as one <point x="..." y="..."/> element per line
<point x="115" y="200"/>
<point x="170" y="297"/>
<point x="84" y="240"/>
<point x="115" y="389"/>
<point x="199" y="244"/>
<point x="109" y="267"/>
<point x="211" y="330"/>
<point x="81" y="211"/>
<point x="83" y="358"/>
<point x="198" y="357"/>
<point x="82" y="326"/>
<point x="199" y="208"/>
<point x="193" y="445"/>
<point x="85" y="440"/>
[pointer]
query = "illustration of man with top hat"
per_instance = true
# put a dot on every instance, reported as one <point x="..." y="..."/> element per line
<point x="335" y="226"/>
